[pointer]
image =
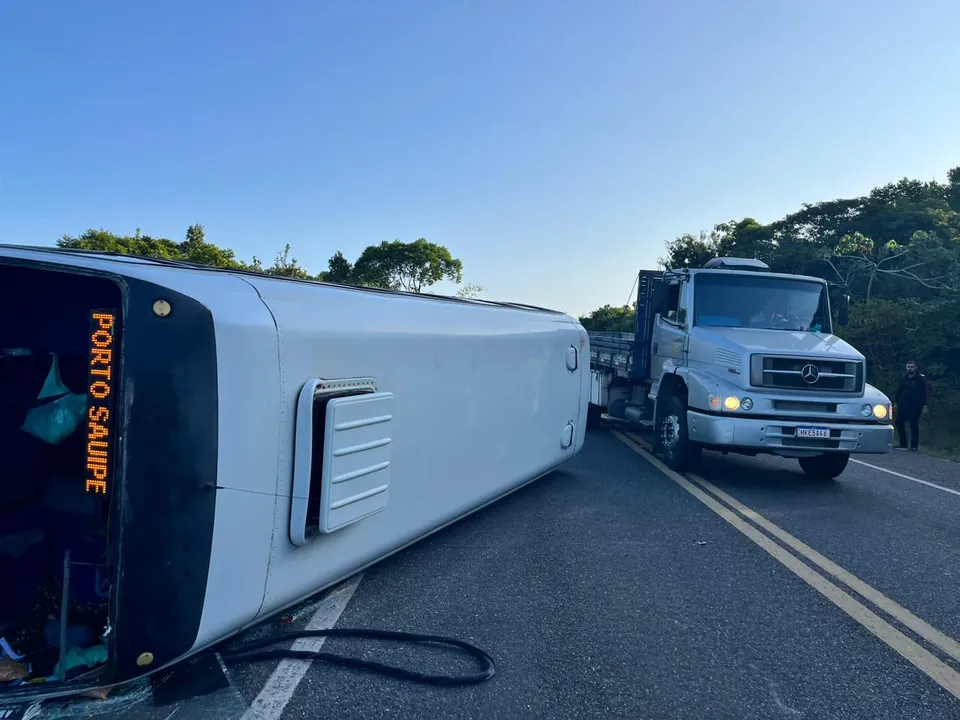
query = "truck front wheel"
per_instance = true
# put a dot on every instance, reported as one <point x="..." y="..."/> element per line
<point x="825" y="467"/>
<point x="679" y="452"/>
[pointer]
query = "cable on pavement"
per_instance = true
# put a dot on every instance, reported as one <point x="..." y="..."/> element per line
<point x="260" y="649"/>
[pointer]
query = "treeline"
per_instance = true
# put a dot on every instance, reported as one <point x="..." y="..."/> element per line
<point x="411" y="266"/>
<point x="895" y="252"/>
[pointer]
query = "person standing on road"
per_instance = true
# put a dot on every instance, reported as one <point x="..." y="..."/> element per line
<point x="912" y="398"/>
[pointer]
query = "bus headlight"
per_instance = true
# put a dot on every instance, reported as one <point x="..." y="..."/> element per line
<point x="866" y="410"/>
<point x="880" y="412"/>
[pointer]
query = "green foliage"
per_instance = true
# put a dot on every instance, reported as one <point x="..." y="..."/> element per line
<point x="894" y="251"/>
<point x="691" y="251"/>
<point x="891" y="332"/>
<point x="339" y="270"/>
<point x="406" y="266"/>
<point x="193" y="249"/>
<point x="470" y="291"/>
<point x="610" y="318"/>
<point x="286" y="266"/>
<point x="394" y="265"/>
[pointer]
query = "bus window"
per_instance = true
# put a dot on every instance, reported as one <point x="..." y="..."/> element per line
<point x="59" y="381"/>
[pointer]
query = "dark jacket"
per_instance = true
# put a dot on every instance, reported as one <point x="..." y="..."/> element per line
<point x="913" y="394"/>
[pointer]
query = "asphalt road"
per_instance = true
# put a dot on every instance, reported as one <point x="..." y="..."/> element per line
<point x="608" y="589"/>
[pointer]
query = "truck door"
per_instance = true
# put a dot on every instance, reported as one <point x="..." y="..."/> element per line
<point x="669" y="347"/>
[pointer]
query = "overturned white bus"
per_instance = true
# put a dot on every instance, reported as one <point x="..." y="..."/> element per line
<point x="190" y="450"/>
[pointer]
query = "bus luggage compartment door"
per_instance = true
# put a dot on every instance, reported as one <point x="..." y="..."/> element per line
<point x="342" y="456"/>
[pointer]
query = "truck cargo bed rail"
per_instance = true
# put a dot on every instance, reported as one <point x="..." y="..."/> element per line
<point x="612" y="351"/>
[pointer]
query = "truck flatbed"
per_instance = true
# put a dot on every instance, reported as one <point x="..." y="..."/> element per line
<point x="612" y="351"/>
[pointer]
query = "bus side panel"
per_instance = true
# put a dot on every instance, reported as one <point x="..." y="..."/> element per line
<point x="586" y="381"/>
<point x="248" y="366"/>
<point x="482" y="396"/>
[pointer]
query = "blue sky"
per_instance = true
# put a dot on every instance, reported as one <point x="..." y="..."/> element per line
<point x="552" y="145"/>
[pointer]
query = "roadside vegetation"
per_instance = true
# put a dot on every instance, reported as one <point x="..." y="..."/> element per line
<point x="411" y="266"/>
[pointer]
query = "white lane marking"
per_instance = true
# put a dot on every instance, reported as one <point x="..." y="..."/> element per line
<point x="277" y="692"/>
<point x="907" y="477"/>
<point x="921" y="658"/>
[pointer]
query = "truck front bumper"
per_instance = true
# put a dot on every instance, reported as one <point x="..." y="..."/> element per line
<point x="779" y="436"/>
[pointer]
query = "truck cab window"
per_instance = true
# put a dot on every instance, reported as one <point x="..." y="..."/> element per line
<point x="761" y="302"/>
<point x="672" y="303"/>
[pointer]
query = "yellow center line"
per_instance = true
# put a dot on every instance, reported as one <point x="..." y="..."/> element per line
<point x="913" y="652"/>
<point x="921" y="627"/>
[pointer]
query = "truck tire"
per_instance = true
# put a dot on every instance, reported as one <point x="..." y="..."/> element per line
<point x="825" y="467"/>
<point x="679" y="452"/>
<point x="594" y="415"/>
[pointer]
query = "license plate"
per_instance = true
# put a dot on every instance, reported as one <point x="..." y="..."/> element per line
<point x="813" y="432"/>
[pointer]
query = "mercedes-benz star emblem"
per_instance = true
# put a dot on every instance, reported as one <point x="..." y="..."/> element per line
<point x="810" y="374"/>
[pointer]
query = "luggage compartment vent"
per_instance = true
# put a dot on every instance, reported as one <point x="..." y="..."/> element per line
<point x="356" y="459"/>
<point x="342" y="455"/>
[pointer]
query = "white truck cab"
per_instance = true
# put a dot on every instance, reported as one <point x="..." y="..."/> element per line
<point x="735" y="358"/>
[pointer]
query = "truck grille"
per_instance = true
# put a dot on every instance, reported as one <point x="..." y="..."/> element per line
<point x="790" y="373"/>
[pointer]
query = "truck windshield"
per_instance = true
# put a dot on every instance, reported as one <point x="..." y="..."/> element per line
<point x="734" y="300"/>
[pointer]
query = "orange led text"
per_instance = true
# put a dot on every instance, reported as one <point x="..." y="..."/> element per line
<point x="100" y="401"/>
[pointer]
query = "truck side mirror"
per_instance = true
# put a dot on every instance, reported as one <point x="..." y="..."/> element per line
<point x="844" y="311"/>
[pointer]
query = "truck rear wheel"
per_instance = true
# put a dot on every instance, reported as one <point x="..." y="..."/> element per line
<point x="679" y="452"/>
<point x="825" y="467"/>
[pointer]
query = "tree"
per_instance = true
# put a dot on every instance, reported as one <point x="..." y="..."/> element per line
<point x="195" y="235"/>
<point x="691" y="251"/>
<point x="104" y="241"/>
<point x="406" y="266"/>
<point x="922" y="261"/>
<point x="197" y="250"/>
<point x="745" y="238"/>
<point x="953" y="189"/>
<point x="339" y="270"/>
<point x="286" y="266"/>
<point x="392" y="265"/>
<point x="737" y="238"/>
<point x="610" y="318"/>
<point x="470" y="291"/>
<point x="194" y="249"/>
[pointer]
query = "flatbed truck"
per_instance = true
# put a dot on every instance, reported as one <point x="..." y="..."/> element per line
<point x="735" y="358"/>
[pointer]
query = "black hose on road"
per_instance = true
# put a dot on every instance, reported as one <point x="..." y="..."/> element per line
<point x="260" y="649"/>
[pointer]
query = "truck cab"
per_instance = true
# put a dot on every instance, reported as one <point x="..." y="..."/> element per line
<point x="736" y="358"/>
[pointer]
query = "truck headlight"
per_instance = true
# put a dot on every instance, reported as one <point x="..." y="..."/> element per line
<point x="878" y="412"/>
<point x="730" y="403"/>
